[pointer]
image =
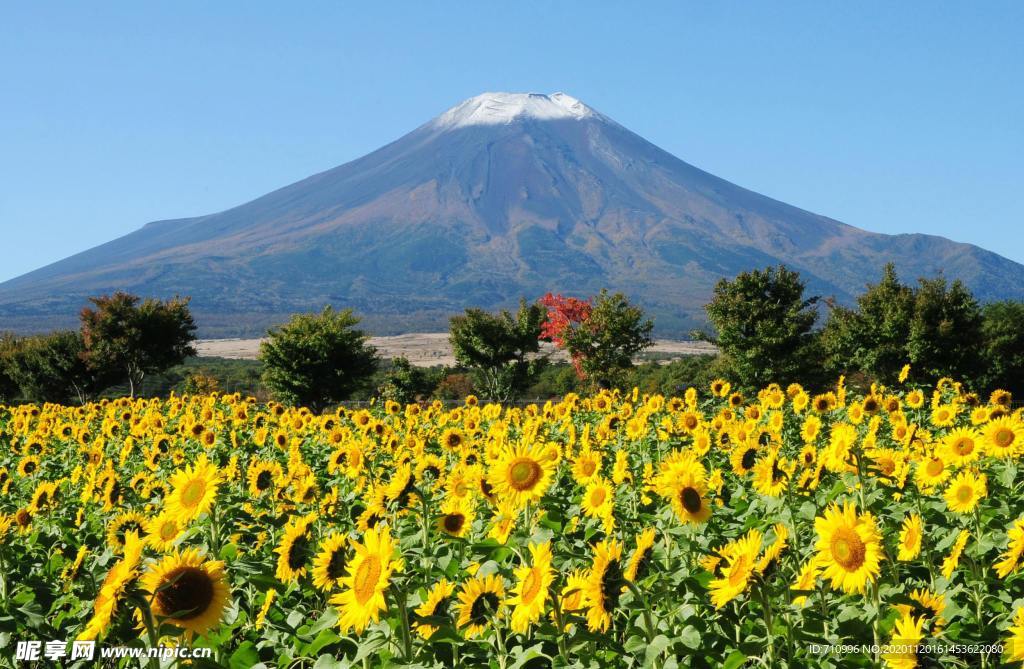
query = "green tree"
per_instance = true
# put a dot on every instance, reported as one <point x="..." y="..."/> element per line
<point x="500" y="350"/>
<point x="405" y="383"/>
<point x="53" y="368"/>
<point x="603" y="344"/>
<point x="9" y="345"/>
<point x="137" y="337"/>
<point x="945" y="333"/>
<point x="316" y="360"/>
<point x="765" y="327"/>
<point x="871" y="339"/>
<point x="1002" y="331"/>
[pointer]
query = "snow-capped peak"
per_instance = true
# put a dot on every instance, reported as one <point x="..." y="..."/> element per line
<point x="503" y="108"/>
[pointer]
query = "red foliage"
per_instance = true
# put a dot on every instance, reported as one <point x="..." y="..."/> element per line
<point x="563" y="314"/>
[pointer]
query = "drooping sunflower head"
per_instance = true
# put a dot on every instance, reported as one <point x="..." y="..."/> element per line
<point x="530" y="593"/>
<point x="640" y="560"/>
<point x="604" y="586"/>
<point x="329" y="564"/>
<point x="436" y="605"/>
<point x="480" y="600"/>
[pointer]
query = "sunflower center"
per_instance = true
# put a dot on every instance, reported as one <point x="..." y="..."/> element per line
<point x="612" y="582"/>
<point x="1004" y="437"/>
<point x="935" y="467"/>
<point x="185" y="593"/>
<point x="336" y="565"/>
<point x="453" y="523"/>
<point x="690" y="499"/>
<point x="964" y="494"/>
<point x="748" y="458"/>
<point x="524" y="474"/>
<point x="297" y="552"/>
<point x="531" y="586"/>
<point x="365" y="581"/>
<point x="848" y="549"/>
<point x="484" y="605"/>
<point x="193" y="492"/>
<point x="168" y="530"/>
<point x="263" y="480"/>
<point x="964" y="446"/>
<point x="597" y="497"/>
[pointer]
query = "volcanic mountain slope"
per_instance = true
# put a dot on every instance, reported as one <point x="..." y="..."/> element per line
<point x="504" y="195"/>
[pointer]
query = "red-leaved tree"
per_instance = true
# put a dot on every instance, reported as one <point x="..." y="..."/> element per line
<point x="564" y="315"/>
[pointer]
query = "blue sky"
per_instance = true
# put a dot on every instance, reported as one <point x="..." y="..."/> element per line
<point x="895" y="117"/>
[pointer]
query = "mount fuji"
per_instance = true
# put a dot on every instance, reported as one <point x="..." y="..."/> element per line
<point x="502" y="196"/>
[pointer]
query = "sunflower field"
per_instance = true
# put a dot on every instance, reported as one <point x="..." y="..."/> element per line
<point x="709" y="530"/>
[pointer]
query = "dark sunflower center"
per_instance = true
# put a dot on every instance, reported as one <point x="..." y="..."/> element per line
<point x="187" y="593"/>
<point x="336" y="566"/>
<point x="748" y="458"/>
<point x="484" y="606"/>
<point x="690" y="499"/>
<point x="30" y="467"/>
<point x="642" y="564"/>
<point x="263" y="480"/>
<point x="453" y="522"/>
<point x="298" y="552"/>
<point x="612" y="582"/>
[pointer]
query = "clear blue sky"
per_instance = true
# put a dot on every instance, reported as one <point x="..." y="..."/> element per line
<point x="896" y="117"/>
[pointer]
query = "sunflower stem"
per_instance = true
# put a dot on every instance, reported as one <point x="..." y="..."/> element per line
<point x="560" y="624"/>
<point x="403" y="610"/>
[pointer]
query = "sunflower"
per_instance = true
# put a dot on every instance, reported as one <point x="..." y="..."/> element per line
<point x="119" y="527"/>
<point x="598" y="501"/>
<point x="962" y="445"/>
<point x="965" y="490"/>
<point x="604" y="585"/>
<point x="293" y="550"/>
<point x="1004" y="436"/>
<point x="194" y="489"/>
<point x="268" y="601"/>
<point x="188" y="591"/>
<point x="329" y="564"/>
<point x="1009" y="561"/>
<point x="28" y="465"/>
<point x="806" y="580"/>
<point x="743" y="458"/>
<point x="1015" y="642"/>
<point x="120" y="576"/>
<point x="586" y="465"/>
<point x="452" y="439"/>
<point x="770" y="476"/>
<point x="163" y="531"/>
<point x="435" y="605"/>
<point x="910" y="538"/>
<point x="530" y="594"/>
<point x="848" y="547"/>
<point x="479" y="600"/>
<point x="43" y="497"/>
<point x="262" y="477"/>
<point x="687" y="494"/>
<point x="70" y="571"/>
<point x="952" y="561"/>
<point x="931" y="471"/>
<point x="640" y="560"/>
<point x="571" y="597"/>
<point x="521" y="474"/>
<point x="369" y="573"/>
<point x="927" y="605"/>
<point x="740" y="557"/>
<point x="943" y="415"/>
<point x="906" y="636"/>
<point x="457" y="516"/>
<point x="503" y="524"/>
<point x="770" y="558"/>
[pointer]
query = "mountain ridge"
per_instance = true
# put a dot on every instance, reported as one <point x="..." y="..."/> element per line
<point x="501" y="196"/>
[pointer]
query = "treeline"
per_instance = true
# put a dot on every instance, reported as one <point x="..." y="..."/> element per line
<point x="122" y="339"/>
<point x="767" y="330"/>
